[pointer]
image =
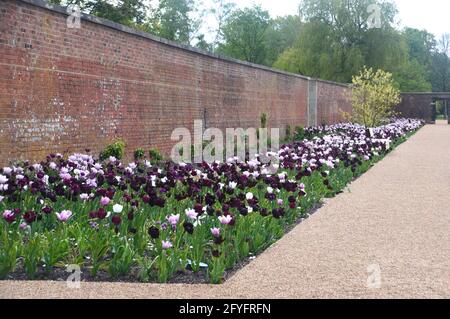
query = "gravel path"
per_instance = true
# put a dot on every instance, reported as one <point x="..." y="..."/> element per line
<point x="395" y="219"/>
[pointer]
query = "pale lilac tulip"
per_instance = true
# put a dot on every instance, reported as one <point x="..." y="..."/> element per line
<point x="166" y="245"/>
<point x="215" y="232"/>
<point x="105" y="201"/>
<point x="225" y="220"/>
<point x="64" y="215"/>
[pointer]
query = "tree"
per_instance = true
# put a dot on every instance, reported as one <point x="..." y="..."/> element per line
<point x="171" y="20"/>
<point x="335" y="40"/>
<point x="244" y="34"/>
<point x="441" y="65"/>
<point x="127" y="12"/>
<point x="373" y="97"/>
<point x="280" y="36"/>
<point x="221" y="10"/>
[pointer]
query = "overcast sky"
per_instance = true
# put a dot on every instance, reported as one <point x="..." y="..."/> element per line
<point x="432" y="15"/>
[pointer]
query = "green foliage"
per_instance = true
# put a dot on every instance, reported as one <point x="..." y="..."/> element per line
<point x="32" y="254"/>
<point x="9" y="252"/>
<point x="127" y="12"/>
<point x="139" y="154"/>
<point x="288" y="134"/>
<point x="334" y="43"/>
<point x="155" y="155"/>
<point x="244" y="35"/>
<point x="116" y="149"/>
<point x="299" y="133"/>
<point x="373" y="97"/>
<point x="172" y="20"/>
<point x="263" y="120"/>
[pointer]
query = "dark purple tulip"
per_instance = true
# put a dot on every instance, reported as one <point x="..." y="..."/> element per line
<point x="47" y="210"/>
<point x="198" y="209"/>
<point x="130" y="216"/>
<point x="188" y="227"/>
<point x="218" y="240"/>
<point x="153" y="232"/>
<point x="127" y="198"/>
<point x="92" y="215"/>
<point x="30" y="217"/>
<point x="243" y="211"/>
<point x="101" y="213"/>
<point x="216" y="253"/>
<point x="134" y="203"/>
<point x="110" y="193"/>
<point x="278" y="213"/>
<point x="146" y="199"/>
<point x="40" y="175"/>
<point x="116" y="220"/>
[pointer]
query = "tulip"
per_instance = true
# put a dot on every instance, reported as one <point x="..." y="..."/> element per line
<point x="188" y="227"/>
<point x="47" y="210"/>
<point x="117" y="208"/>
<point x="64" y="215"/>
<point x="215" y="232"/>
<point x="101" y="213"/>
<point x="30" y="217"/>
<point x="9" y="216"/>
<point x="166" y="245"/>
<point x="116" y="220"/>
<point x="173" y="219"/>
<point x="153" y="232"/>
<point x="105" y="201"/>
<point x="225" y="220"/>
<point x="190" y="213"/>
<point x="3" y="179"/>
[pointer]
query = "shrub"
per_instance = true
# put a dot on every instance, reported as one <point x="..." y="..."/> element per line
<point x="288" y="133"/>
<point x="299" y="133"/>
<point x="373" y="98"/>
<point x="139" y="154"/>
<point x="116" y="149"/>
<point x="155" y="155"/>
<point x="264" y="120"/>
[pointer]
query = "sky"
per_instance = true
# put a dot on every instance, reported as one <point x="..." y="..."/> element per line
<point x="432" y="15"/>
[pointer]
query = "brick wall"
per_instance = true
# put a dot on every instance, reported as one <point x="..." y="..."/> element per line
<point x="65" y="90"/>
<point x="331" y="100"/>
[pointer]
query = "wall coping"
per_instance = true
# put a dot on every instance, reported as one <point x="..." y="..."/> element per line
<point x="117" y="26"/>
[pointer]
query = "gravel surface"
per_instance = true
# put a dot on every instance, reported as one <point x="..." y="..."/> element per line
<point x="394" y="219"/>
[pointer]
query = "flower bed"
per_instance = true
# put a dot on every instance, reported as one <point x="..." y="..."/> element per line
<point x="151" y="223"/>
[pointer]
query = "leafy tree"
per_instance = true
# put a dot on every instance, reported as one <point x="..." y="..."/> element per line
<point x="373" y="97"/>
<point x="281" y="35"/>
<point x="244" y="34"/>
<point x="441" y="65"/>
<point x="221" y="10"/>
<point x="127" y="12"/>
<point x="172" y="20"/>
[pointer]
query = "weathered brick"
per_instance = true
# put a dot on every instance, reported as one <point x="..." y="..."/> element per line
<point x="64" y="90"/>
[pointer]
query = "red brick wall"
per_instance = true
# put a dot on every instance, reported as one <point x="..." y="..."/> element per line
<point x="331" y="100"/>
<point x="64" y="90"/>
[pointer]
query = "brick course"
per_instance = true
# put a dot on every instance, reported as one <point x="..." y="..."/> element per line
<point x="65" y="90"/>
